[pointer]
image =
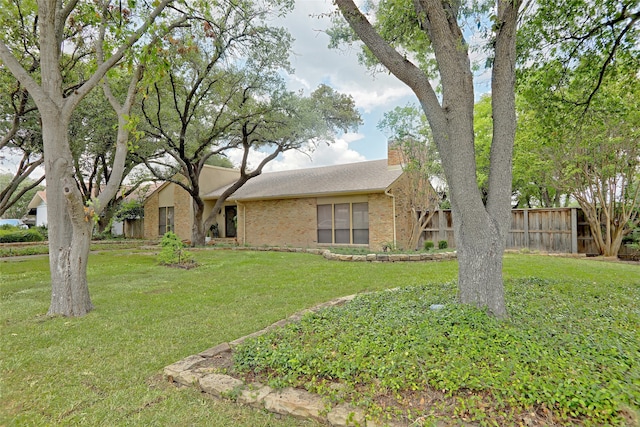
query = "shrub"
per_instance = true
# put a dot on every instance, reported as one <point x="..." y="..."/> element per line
<point x="442" y="244"/>
<point x="173" y="252"/>
<point x="428" y="245"/>
<point x="44" y="230"/>
<point x="14" y="234"/>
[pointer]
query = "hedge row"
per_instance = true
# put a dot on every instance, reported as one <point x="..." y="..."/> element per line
<point x="13" y="235"/>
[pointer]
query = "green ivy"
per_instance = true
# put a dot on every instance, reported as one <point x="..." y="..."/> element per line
<point x="568" y="350"/>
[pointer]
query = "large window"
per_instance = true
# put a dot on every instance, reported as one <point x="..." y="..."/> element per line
<point x="165" y="220"/>
<point x="343" y="223"/>
<point x="360" y="223"/>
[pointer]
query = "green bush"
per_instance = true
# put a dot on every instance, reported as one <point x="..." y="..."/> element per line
<point x="44" y="230"/>
<point x="428" y="245"/>
<point x="173" y="252"/>
<point x="10" y="234"/>
<point x="442" y="244"/>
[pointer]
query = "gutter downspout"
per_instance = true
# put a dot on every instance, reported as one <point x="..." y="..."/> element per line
<point x="393" y="198"/>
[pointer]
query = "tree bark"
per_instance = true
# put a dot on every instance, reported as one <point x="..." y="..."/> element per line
<point x="480" y="230"/>
<point x="69" y="224"/>
<point x="198" y="232"/>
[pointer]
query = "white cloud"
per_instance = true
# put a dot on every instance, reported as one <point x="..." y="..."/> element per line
<point x="308" y="156"/>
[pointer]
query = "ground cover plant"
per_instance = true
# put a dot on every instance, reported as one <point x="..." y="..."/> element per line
<point x="104" y="368"/>
<point x="568" y="355"/>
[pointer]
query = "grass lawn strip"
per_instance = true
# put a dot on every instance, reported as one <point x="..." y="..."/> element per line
<point x="105" y="368"/>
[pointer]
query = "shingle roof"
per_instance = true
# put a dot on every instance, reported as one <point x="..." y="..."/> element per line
<point x="371" y="176"/>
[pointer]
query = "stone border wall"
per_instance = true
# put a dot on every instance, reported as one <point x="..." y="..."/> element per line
<point x="385" y="257"/>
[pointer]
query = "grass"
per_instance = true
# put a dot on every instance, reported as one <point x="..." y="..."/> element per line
<point x="104" y="369"/>
<point x="42" y="248"/>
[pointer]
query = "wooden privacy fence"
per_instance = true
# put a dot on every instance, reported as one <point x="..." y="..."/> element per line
<point x="547" y="229"/>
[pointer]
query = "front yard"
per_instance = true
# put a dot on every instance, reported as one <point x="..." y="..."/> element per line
<point x="104" y="369"/>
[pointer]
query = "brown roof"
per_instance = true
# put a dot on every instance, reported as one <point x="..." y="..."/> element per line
<point x="362" y="177"/>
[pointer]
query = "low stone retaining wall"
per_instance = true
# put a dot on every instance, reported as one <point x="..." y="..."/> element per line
<point x="208" y="372"/>
<point x="385" y="257"/>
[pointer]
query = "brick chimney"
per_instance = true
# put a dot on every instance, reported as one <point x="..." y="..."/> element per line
<point x="394" y="155"/>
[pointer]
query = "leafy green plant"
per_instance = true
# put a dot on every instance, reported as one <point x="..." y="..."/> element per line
<point x="10" y="234"/>
<point x="173" y="252"/>
<point x="44" y="230"/>
<point x="557" y="354"/>
<point x="428" y="245"/>
<point x="442" y="244"/>
<point x="129" y="209"/>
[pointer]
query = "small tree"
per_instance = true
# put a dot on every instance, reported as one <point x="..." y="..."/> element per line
<point x="173" y="252"/>
<point x="421" y="167"/>
<point x="596" y="149"/>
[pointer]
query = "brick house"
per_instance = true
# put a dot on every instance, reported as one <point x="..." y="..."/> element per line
<point x="350" y="204"/>
<point x="169" y="207"/>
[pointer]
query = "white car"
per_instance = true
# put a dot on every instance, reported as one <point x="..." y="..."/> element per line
<point x="13" y="222"/>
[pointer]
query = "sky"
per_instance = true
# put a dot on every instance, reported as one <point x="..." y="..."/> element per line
<point x="316" y="64"/>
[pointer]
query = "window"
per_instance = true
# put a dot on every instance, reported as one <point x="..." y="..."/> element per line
<point x="165" y="220"/>
<point x="360" y="223"/>
<point x="343" y="223"/>
<point x="325" y="221"/>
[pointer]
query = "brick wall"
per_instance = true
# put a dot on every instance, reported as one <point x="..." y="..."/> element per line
<point x="380" y="221"/>
<point x="292" y="222"/>
<point x="182" y="217"/>
<point x="182" y="212"/>
<point x="289" y="222"/>
<point x="394" y="155"/>
<point x="151" y="216"/>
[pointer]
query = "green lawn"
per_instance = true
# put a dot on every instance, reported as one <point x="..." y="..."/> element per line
<point x="104" y="369"/>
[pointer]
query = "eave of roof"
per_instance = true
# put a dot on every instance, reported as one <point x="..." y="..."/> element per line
<point x="353" y="178"/>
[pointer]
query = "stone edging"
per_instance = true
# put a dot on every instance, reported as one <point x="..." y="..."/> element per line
<point x="203" y="372"/>
<point x="386" y="257"/>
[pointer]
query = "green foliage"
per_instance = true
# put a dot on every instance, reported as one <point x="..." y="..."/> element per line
<point x="129" y="209"/>
<point x="442" y="244"/>
<point x="10" y="234"/>
<point x="220" y="161"/>
<point x="428" y="245"/>
<point x="173" y="251"/>
<point x="20" y="208"/>
<point x="570" y="348"/>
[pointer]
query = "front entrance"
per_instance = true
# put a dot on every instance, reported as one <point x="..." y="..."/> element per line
<point x="230" y="214"/>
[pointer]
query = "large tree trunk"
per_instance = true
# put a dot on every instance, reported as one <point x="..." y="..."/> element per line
<point x="69" y="224"/>
<point x="480" y="246"/>
<point x="198" y="232"/>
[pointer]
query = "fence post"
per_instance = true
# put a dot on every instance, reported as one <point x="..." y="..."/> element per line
<point x="574" y="230"/>
<point x="442" y="222"/>
<point x="526" y="228"/>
